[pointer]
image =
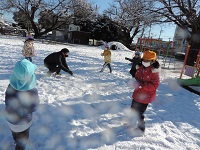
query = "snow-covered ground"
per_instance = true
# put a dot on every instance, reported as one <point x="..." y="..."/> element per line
<point x="88" y="111"/>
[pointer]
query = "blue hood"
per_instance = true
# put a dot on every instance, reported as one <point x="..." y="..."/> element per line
<point x="23" y="77"/>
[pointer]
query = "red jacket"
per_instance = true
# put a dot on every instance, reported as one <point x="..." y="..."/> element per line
<point x="148" y="82"/>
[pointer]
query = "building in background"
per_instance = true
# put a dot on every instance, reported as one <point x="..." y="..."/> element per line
<point x="180" y="44"/>
<point x="75" y="36"/>
<point x="71" y="34"/>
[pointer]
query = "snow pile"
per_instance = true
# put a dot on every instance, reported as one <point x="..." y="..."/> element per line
<point x="114" y="46"/>
<point x="119" y="46"/>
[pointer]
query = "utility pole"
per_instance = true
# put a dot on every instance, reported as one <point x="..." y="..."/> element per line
<point x="160" y="33"/>
<point x="149" y="30"/>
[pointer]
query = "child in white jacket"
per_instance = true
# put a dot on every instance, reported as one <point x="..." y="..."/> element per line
<point x="28" y="50"/>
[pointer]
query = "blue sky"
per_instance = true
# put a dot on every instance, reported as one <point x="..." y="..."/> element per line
<point x="167" y="30"/>
<point x="102" y="4"/>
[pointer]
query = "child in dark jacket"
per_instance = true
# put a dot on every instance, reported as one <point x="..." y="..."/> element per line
<point x="147" y="82"/>
<point x="21" y="100"/>
<point x="135" y="61"/>
<point x="56" y="62"/>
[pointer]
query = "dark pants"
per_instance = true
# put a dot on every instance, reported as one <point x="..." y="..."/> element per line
<point x="106" y="64"/>
<point x="29" y="58"/>
<point x="52" y="68"/>
<point x="132" y="72"/>
<point x="140" y="108"/>
<point x="21" y="139"/>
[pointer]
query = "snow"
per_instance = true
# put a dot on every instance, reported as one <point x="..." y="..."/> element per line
<point x="119" y="45"/>
<point x="90" y="111"/>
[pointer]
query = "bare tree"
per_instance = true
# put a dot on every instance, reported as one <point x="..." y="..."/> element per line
<point x="83" y="10"/>
<point x="46" y="15"/>
<point x="131" y="15"/>
<point x="21" y="19"/>
<point x="185" y="14"/>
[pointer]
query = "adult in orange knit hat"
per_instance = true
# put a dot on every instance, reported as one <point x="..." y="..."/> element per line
<point x="149" y="55"/>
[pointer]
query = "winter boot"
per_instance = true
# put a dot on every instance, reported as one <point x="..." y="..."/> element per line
<point x="141" y="125"/>
<point x="57" y="74"/>
<point x="48" y="73"/>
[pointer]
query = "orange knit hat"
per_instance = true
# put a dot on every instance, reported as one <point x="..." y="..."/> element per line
<point x="149" y="55"/>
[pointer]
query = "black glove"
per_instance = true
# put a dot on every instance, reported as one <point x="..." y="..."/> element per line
<point x="140" y="63"/>
<point x="156" y="64"/>
<point x="126" y="58"/>
<point x="70" y="72"/>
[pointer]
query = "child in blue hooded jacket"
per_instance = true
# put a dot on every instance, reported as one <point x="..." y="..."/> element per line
<point x="21" y="100"/>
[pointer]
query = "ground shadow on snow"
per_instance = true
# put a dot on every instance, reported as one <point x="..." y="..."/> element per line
<point x="176" y="108"/>
<point x="60" y="125"/>
<point x="76" y="126"/>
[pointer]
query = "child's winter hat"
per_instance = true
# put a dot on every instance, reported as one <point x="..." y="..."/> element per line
<point x="23" y="77"/>
<point x="107" y="46"/>
<point x="29" y="38"/>
<point x="137" y="53"/>
<point x="64" y="50"/>
<point x="149" y="55"/>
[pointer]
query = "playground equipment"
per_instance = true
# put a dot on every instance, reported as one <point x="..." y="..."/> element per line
<point x="164" y="49"/>
<point x="167" y="55"/>
<point x="148" y="44"/>
<point x="190" y="74"/>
